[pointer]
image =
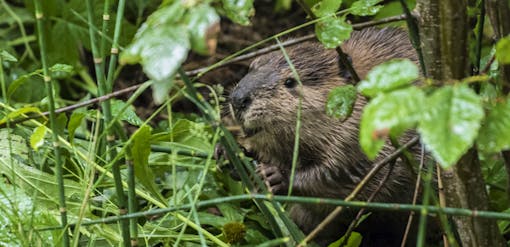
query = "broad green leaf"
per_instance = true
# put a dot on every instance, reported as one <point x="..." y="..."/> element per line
<point x="37" y="138"/>
<point x="231" y="212"/>
<point x="160" y="45"/>
<point x="74" y="122"/>
<point x="60" y="124"/>
<point x="126" y="112"/>
<point x="34" y="182"/>
<point x="17" y="216"/>
<point x="341" y="101"/>
<point x="188" y="135"/>
<point x="65" y="41"/>
<point x="25" y="87"/>
<point x="389" y="76"/>
<point x="161" y="50"/>
<point x="14" y="85"/>
<point x="6" y="56"/>
<point x="389" y="114"/>
<point x="503" y="50"/>
<point x="203" y="26"/>
<point x="365" y="7"/>
<point x="333" y="31"/>
<point x="450" y="122"/>
<point x="141" y="149"/>
<point x="326" y="7"/>
<point x="239" y="11"/>
<point x="494" y="134"/>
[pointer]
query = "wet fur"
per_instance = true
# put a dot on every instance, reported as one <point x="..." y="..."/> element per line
<point x="330" y="162"/>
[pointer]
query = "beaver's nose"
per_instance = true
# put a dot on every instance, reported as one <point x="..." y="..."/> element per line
<point x="241" y="99"/>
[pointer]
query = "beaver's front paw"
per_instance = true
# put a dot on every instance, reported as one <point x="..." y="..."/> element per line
<point x="275" y="180"/>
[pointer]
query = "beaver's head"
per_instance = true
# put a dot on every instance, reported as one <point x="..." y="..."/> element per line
<point x="268" y="96"/>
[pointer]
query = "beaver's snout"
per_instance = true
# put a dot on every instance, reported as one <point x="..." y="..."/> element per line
<point x="240" y="99"/>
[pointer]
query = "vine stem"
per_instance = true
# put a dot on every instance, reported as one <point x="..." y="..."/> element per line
<point x="39" y="15"/>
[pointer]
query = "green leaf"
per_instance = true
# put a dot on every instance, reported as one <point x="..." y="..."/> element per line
<point x="60" y="124"/>
<point x="74" y="122"/>
<point x="16" y="84"/>
<point x="503" y="50"/>
<point x="126" y="112"/>
<point x="161" y="50"/>
<point x="141" y="150"/>
<point x="37" y="138"/>
<point x="494" y="134"/>
<point x="389" y="76"/>
<point x="365" y="7"/>
<point x="239" y="11"/>
<point x="6" y="56"/>
<point x="333" y="31"/>
<point x="389" y="114"/>
<point x="450" y="122"/>
<point x="161" y="45"/>
<point x="203" y="26"/>
<point x="326" y="7"/>
<point x="40" y="185"/>
<point x="341" y="101"/>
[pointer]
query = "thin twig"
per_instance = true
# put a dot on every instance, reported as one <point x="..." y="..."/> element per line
<point x="376" y="167"/>
<point x="354" y="223"/>
<point x="442" y="200"/>
<point x="78" y="105"/>
<point x="488" y="65"/>
<point x="415" y="197"/>
<point x="295" y="41"/>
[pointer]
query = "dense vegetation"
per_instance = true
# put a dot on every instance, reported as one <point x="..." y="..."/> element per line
<point x="95" y="152"/>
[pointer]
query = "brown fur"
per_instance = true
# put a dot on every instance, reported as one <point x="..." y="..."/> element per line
<point x="330" y="162"/>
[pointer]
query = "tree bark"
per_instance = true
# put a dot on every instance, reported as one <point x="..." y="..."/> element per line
<point x="499" y="15"/>
<point x="444" y="29"/>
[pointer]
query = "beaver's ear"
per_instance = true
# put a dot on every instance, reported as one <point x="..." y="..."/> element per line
<point x="344" y="72"/>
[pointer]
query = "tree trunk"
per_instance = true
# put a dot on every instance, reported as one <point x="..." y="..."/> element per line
<point x="444" y="30"/>
<point x="499" y="15"/>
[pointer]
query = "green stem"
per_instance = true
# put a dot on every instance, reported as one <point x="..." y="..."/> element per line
<point x="295" y="151"/>
<point x="376" y="206"/>
<point x="479" y="37"/>
<point x="104" y="29"/>
<point x="110" y="136"/>
<point x="424" y="210"/>
<point x="414" y="35"/>
<point x="51" y="105"/>
<point x="115" y="45"/>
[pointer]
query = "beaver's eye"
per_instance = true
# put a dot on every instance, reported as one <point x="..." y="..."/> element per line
<point x="290" y="82"/>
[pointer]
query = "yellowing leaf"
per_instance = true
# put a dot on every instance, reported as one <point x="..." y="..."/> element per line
<point x="37" y="138"/>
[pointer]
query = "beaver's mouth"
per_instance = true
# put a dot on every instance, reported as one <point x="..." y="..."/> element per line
<point x="249" y="132"/>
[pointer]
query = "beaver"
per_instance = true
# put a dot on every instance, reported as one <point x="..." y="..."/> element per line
<point x="330" y="162"/>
